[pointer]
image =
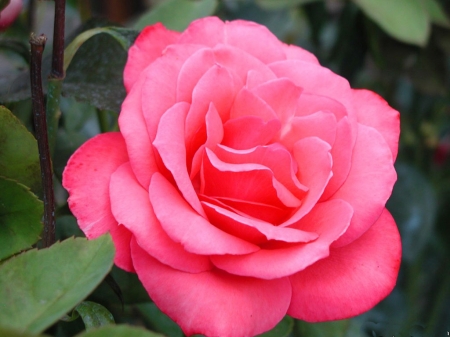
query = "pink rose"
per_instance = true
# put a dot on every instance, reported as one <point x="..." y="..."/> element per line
<point x="247" y="182"/>
<point x="10" y="13"/>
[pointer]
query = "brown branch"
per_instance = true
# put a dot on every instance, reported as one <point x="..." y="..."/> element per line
<point x="58" y="40"/>
<point x="37" y="44"/>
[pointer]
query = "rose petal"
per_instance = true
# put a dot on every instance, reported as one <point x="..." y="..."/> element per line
<point x="160" y="86"/>
<point x="297" y="53"/>
<point x="122" y="237"/>
<point x="170" y="144"/>
<point x="131" y="207"/>
<point x="246" y="182"/>
<point x="248" y="36"/>
<point x="372" y="110"/>
<point x="314" y="171"/>
<point x="249" y="104"/>
<point x="213" y="303"/>
<point x="329" y="219"/>
<point x="282" y="96"/>
<point x="249" y="131"/>
<point x="368" y="186"/>
<point x="134" y="130"/>
<point x="242" y="226"/>
<point x="86" y="178"/>
<point x="352" y="279"/>
<point x="146" y="48"/>
<point x="196" y="234"/>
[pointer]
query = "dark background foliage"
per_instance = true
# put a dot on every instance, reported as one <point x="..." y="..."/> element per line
<point x="398" y="48"/>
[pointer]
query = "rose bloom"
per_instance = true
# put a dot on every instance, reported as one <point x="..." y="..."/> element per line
<point x="10" y="13"/>
<point x="247" y="182"/>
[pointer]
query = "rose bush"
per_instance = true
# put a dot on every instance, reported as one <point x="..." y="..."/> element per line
<point x="10" y="13"/>
<point x="247" y="182"/>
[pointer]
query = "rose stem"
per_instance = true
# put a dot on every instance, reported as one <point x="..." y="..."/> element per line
<point x="37" y="44"/>
<point x="57" y="74"/>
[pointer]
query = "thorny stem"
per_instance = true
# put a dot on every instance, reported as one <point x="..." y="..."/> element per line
<point x="37" y="44"/>
<point x="58" y="40"/>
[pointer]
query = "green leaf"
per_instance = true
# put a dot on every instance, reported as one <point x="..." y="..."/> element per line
<point x="119" y="331"/>
<point x="40" y="286"/>
<point x="158" y="320"/>
<point x="177" y="14"/>
<point x="416" y="214"/>
<point x="20" y="217"/>
<point x="283" y="329"/>
<point x="4" y="332"/>
<point x="94" y="315"/>
<point x="19" y="156"/>
<point x="436" y="13"/>
<point x="405" y="20"/>
<point x="278" y="4"/>
<point x="124" y="36"/>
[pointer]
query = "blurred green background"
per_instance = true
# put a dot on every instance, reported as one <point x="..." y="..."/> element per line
<point x="397" y="48"/>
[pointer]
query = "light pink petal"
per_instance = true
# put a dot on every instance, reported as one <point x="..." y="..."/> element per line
<point x="282" y="96"/>
<point x="247" y="36"/>
<point x="192" y="71"/>
<point x="297" y="53"/>
<point x="217" y="87"/>
<point x="352" y="279"/>
<point x="310" y="103"/>
<point x="148" y="47"/>
<point x="132" y="208"/>
<point x="213" y="303"/>
<point x="171" y="146"/>
<point x="160" y="86"/>
<point x="10" y="13"/>
<point x="273" y="156"/>
<point x="122" y="237"/>
<point x="134" y="130"/>
<point x="185" y="226"/>
<point x="314" y="171"/>
<point x="246" y="182"/>
<point x="86" y="178"/>
<point x="236" y="224"/>
<point x="249" y="104"/>
<point x="341" y="153"/>
<point x="241" y="63"/>
<point x="369" y="183"/>
<point x="249" y="131"/>
<point x="319" y="124"/>
<point x="372" y="110"/>
<point x="329" y="220"/>
<point x="214" y="135"/>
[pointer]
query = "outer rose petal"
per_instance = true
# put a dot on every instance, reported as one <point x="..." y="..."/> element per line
<point x="297" y="53"/>
<point x="147" y="48"/>
<point x="373" y="110"/>
<point x="213" y="303"/>
<point x="369" y="182"/>
<point x="87" y="174"/>
<point x="122" y="237"/>
<point x="10" y="13"/>
<point x="131" y="206"/>
<point x="352" y="279"/>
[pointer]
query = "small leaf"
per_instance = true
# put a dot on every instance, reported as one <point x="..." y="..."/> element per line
<point x="283" y="329"/>
<point x="4" y="332"/>
<point x="436" y="13"/>
<point x="177" y="14"/>
<point x="94" y="315"/>
<point x="19" y="157"/>
<point x="124" y="36"/>
<point x="20" y="217"/>
<point x="405" y="20"/>
<point x="119" y="331"/>
<point x="278" y="4"/>
<point x="40" y="286"/>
